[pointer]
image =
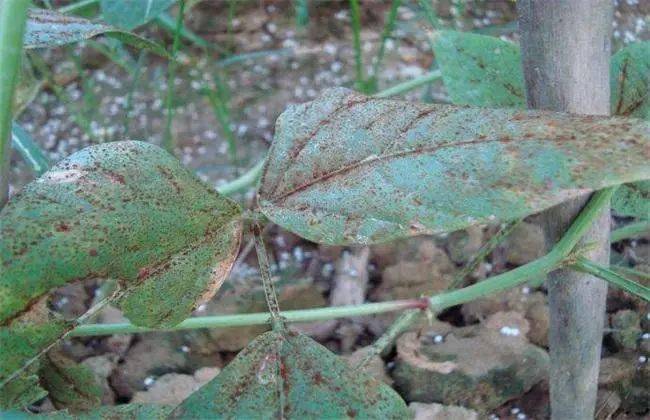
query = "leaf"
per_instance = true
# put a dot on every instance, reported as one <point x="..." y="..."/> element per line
<point x="69" y="385"/>
<point x="475" y="75"/>
<point x="347" y="168"/>
<point x="124" y="210"/>
<point x="47" y="28"/>
<point x="288" y="375"/>
<point x="480" y="70"/>
<point x="19" y="343"/>
<point x="129" y="14"/>
<point x="633" y="200"/>
<point x="121" y="412"/>
<point x="630" y="81"/>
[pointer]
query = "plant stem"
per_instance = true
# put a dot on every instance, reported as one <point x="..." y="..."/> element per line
<point x="168" y="141"/>
<point x="385" y="34"/>
<point x="549" y="262"/>
<point x="13" y="15"/>
<point x="29" y="150"/>
<point x="409" y="85"/>
<point x="165" y="21"/>
<point x="355" y="15"/>
<point x="261" y="318"/>
<point x="485" y="250"/>
<point x="247" y="179"/>
<point x="630" y="231"/>
<point x="586" y="266"/>
<point x="504" y="281"/>
<point x="265" y="272"/>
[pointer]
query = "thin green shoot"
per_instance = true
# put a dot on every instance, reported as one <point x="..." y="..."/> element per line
<point x="137" y="72"/>
<point x="385" y="35"/>
<point x="219" y="99"/>
<point x="13" y="15"/>
<point x="612" y="277"/>
<point x="168" y="141"/>
<point x="31" y="153"/>
<point x="355" y="15"/>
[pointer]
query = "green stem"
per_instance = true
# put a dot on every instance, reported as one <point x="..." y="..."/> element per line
<point x="485" y="250"/>
<point x="385" y="34"/>
<point x="261" y="318"/>
<point x="356" y="42"/>
<point x="627" y="271"/>
<point x="13" y="15"/>
<point x="168" y="141"/>
<point x="165" y="21"/>
<point x="409" y="85"/>
<point x="249" y="178"/>
<point x="630" y="231"/>
<point x="29" y="150"/>
<point x="553" y="260"/>
<point x="586" y="266"/>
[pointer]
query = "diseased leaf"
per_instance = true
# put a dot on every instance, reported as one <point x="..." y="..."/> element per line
<point x="475" y="74"/>
<point x="287" y="375"/>
<point x="47" y="28"/>
<point x="480" y="70"/>
<point x="630" y="81"/>
<point x="121" y="412"/>
<point x="124" y="210"/>
<point x="69" y="385"/>
<point x="633" y="200"/>
<point x="19" y="343"/>
<point x="129" y="14"/>
<point x="347" y="168"/>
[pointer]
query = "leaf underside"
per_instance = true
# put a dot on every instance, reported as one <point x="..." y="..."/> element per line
<point x="124" y="210"/>
<point x="288" y="375"/>
<point x="347" y="168"/>
<point x="47" y="28"/>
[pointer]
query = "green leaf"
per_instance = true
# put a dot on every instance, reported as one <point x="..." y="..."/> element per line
<point x="124" y="210"/>
<point x="69" y="385"/>
<point x="633" y="200"/>
<point x="47" y="28"/>
<point x="20" y="343"/>
<point x="288" y="375"/>
<point x="347" y="168"/>
<point x="121" y="412"/>
<point x="129" y="14"/>
<point x="630" y="81"/>
<point x="475" y="75"/>
<point x="480" y="70"/>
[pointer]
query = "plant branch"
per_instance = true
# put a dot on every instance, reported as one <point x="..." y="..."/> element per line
<point x="551" y="261"/>
<point x="13" y="15"/>
<point x="586" y="266"/>
<point x="168" y="141"/>
<point x="630" y="231"/>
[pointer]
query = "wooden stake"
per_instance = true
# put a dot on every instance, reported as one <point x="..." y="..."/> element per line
<point x="566" y="54"/>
